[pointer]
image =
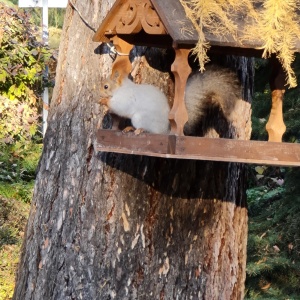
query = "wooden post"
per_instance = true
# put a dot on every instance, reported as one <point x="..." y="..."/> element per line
<point x="275" y="125"/>
<point x="122" y="63"/>
<point x="181" y="70"/>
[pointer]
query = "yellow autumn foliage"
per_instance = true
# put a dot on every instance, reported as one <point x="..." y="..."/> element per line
<point x="274" y="24"/>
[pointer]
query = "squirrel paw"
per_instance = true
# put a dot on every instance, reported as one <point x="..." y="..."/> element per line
<point x="139" y="131"/>
<point x="104" y="101"/>
<point x="128" y="129"/>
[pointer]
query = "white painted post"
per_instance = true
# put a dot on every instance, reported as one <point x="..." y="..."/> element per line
<point x="45" y="35"/>
<point x="45" y="38"/>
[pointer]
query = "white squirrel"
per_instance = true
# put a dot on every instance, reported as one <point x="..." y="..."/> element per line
<point x="148" y="108"/>
<point x="144" y="104"/>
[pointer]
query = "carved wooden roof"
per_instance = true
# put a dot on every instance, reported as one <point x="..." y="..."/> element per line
<point x="155" y="17"/>
<point x="163" y="19"/>
<point x="130" y="17"/>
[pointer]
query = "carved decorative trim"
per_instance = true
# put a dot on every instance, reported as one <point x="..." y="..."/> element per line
<point x="133" y="16"/>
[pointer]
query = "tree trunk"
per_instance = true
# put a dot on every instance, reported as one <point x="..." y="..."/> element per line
<point x="111" y="226"/>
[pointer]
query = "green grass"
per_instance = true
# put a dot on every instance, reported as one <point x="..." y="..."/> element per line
<point x="21" y="191"/>
<point x="13" y="218"/>
<point x="18" y="163"/>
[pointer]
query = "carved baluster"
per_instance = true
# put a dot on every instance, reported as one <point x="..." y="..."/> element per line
<point x="150" y="20"/>
<point x="275" y="125"/>
<point x="181" y="70"/>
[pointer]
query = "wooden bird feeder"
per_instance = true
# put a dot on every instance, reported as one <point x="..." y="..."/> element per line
<point x="164" y="24"/>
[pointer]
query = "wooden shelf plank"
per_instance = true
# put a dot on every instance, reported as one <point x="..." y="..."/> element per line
<point x="185" y="147"/>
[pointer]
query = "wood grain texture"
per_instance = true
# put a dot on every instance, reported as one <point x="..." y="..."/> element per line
<point x="200" y="148"/>
<point x="177" y="24"/>
<point x="183" y="32"/>
<point x="181" y="70"/>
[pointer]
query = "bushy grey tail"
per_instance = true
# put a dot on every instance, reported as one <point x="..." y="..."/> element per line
<point x="217" y="88"/>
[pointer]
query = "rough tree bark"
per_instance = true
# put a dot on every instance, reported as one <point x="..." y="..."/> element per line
<point x="109" y="226"/>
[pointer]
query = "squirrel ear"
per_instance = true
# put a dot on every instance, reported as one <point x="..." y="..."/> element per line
<point x="115" y="75"/>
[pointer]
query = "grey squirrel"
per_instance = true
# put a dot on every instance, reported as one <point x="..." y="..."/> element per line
<point x="148" y="108"/>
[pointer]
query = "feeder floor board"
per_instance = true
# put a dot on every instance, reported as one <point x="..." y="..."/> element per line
<point x="186" y="147"/>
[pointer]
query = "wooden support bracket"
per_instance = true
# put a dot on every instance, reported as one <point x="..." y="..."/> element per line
<point x="181" y="70"/>
<point x="122" y="63"/>
<point x="275" y="126"/>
